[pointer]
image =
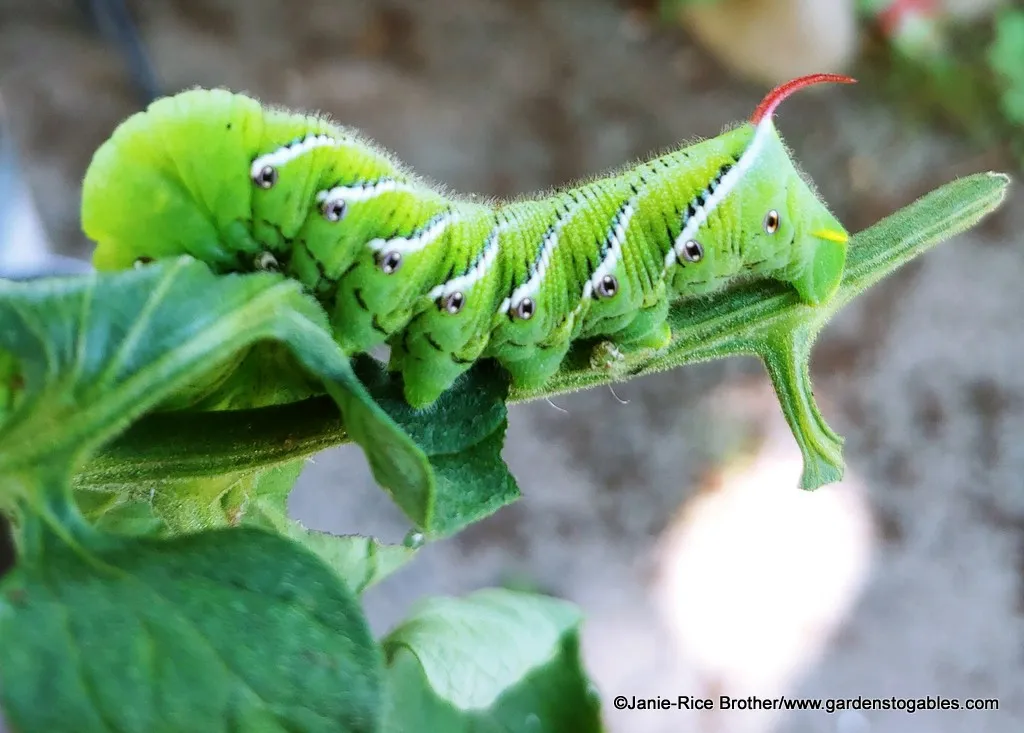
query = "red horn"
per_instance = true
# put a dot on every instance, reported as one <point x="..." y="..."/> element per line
<point x="779" y="93"/>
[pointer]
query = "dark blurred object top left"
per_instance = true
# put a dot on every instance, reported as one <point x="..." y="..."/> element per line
<point x="69" y="74"/>
<point x="114" y="23"/>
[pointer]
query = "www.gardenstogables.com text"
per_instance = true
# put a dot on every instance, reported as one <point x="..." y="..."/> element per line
<point x="829" y="705"/>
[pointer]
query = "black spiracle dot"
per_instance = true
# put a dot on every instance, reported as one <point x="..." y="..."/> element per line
<point x="266" y="262"/>
<point x="333" y="210"/>
<point x="525" y="309"/>
<point x="453" y="302"/>
<point x="693" y="251"/>
<point x="266" y="177"/>
<point x="608" y="287"/>
<point x="390" y="262"/>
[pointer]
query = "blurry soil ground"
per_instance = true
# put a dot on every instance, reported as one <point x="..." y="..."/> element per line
<point x="922" y="375"/>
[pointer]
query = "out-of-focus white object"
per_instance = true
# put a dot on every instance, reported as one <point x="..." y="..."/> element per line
<point x="772" y="41"/>
<point x="756" y="575"/>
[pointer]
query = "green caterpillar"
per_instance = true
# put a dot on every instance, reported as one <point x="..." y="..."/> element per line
<point x="445" y="281"/>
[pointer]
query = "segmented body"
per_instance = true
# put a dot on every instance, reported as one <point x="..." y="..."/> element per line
<point x="446" y="280"/>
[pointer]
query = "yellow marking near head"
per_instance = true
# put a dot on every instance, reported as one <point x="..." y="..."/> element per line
<point x="832" y="235"/>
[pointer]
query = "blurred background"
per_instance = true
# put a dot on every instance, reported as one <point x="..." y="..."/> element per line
<point x="668" y="510"/>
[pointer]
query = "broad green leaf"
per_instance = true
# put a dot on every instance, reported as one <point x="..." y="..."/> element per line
<point x="96" y="352"/>
<point x="496" y="660"/>
<point x="223" y="631"/>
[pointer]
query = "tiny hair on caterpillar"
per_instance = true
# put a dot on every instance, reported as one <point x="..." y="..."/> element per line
<point x="445" y="280"/>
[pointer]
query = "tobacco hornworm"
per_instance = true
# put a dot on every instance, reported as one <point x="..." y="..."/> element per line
<point x="446" y="280"/>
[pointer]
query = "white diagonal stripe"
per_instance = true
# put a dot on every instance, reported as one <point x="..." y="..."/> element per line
<point x="464" y="282"/>
<point x="362" y="191"/>
<point x="291" y="151"/>
<point x="616" y="238"/>
<point x="549" y="244"/>
<point x="724" y="188"/>
<point x="426" y="236"/>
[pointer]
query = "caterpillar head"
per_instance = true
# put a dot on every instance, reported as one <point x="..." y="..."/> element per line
<point x="791" y="210"/>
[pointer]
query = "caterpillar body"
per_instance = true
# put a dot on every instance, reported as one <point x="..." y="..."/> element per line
<point x="446" y="280"/>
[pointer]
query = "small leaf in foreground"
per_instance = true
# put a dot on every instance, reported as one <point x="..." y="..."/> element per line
<point x="222" y="631"/>
<point x="462" y="435"/>
<point x="496" y="660"/>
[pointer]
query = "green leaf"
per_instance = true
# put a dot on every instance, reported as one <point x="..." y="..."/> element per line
<point x="496" y="660"/>
<point x="462" y="435"/>
<point x="96" y="352"/>
<point x="268" y="374"/>
<point x="223" y="631"/>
